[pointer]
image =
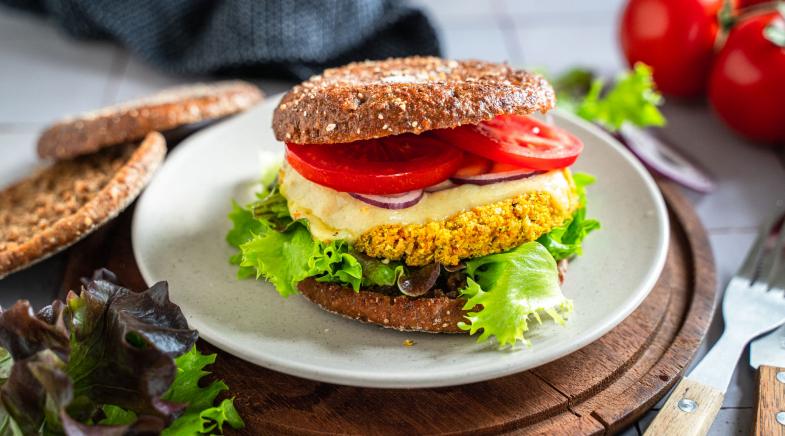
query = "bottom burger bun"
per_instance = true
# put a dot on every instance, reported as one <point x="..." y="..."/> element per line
<point x="430" y="314"/>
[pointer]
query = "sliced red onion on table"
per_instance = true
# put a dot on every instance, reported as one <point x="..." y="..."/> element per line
<point x="447" y="184"/>
<point x="489" y="178"/>
<point x="664" y="159"/>
<point x="394" y="201"/>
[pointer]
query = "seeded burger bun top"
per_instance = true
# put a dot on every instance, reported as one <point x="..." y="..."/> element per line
<point x="131" y="121"/>
<point x="372" y="99"/>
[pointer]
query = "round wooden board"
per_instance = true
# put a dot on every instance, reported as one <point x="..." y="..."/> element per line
<point x="600" y="388"/>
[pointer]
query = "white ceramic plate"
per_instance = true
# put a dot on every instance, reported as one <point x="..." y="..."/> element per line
<point x="178" y="235"/>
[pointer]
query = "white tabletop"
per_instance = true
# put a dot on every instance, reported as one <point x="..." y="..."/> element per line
<point x="45" y="75"/>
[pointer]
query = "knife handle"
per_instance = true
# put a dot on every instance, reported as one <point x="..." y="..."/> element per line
<point x="770" y="401"/>
<point x="689" y="411"/>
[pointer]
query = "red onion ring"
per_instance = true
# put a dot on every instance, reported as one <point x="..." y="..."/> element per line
<point x="441" y="186"/>
<point x="664" y="159"/>
<point x="395" y="201"/>
<point x="490" y="178"/>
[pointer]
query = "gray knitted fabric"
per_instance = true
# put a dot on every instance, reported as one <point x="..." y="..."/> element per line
<point x="262" y="37"/>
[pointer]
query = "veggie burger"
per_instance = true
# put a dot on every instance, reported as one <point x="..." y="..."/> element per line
<point x="419" y="194"/>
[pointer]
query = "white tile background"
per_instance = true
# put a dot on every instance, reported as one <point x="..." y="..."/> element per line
<point x="45" y="75"/>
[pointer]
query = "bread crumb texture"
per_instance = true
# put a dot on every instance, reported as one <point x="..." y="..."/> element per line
<point x="131" y="121"/>
<point x="476" y="232"/>
<point x="63" y="202"/>
<point x="372" y="99"/>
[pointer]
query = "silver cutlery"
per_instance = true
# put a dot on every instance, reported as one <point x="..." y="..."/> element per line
<point x="767" y="355"/>
<point x="754" y="303"/>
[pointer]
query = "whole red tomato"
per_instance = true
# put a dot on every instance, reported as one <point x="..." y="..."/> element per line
<point x="747" y="84"/>
<point x="674" y="37"/>
<point x="746" y="3"/>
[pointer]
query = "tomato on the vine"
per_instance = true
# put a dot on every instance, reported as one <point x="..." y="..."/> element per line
<point x="675" y="38"/>
<point x="748" y="3"/>
<point x="747" y="83"/>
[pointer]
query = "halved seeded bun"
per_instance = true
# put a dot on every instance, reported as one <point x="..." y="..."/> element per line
<point x="435" y="314"/>
<point x="61" y="204"/>
<point x="131" y="121"/>
<point x="373" y="99"/>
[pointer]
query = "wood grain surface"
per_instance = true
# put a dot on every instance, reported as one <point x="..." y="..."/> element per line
<point x="770" y="401"/>
<point x="599" y="389"/>
<point x="692" y="419"/>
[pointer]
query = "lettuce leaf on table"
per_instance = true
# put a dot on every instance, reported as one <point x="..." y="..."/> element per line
<point x="632" y="98"/>
<point x="201" y="416"/>
<point x="102" y="363"/>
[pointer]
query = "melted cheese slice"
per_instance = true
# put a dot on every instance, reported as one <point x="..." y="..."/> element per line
<point x="337" y="215"/>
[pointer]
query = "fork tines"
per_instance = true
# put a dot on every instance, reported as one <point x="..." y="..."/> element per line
<point x="764" y="264"/>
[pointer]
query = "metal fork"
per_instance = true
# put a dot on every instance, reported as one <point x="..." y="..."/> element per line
<point x="754" y="303"/>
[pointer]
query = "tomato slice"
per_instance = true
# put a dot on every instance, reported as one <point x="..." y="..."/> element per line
<point x="473" y="165"/>
<point x="390" y="165"/>
<point x="516" y="140"/>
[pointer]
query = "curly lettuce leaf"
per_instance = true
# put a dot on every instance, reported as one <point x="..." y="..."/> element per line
<point x="572" y="86"/>
<point x="377" y="272"/>
<point x="273" y="210"/>
<point x="633" y="98"/>
<point x="273" y="246"/>
<point x="333" y="263"/>
<point x="121" y="340"/>
<point x="280" y="257"/>
<point x="105" y="362"/>
<point x="244" y="226"/>
<point x="566" y="241"/>
<point x="116" y="415"/>
<point x="201" y="416"/>
<point x="510" y="289"/>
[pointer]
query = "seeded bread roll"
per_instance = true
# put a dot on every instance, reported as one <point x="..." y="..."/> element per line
<point x="373" y="99"/>
<point x="131" y="121"/>
<point x="425" y="314"/>
<point x="61" y="204"/>
<point x="434" y="314"/>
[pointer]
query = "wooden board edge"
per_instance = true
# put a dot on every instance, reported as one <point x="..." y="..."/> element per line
<point x="670" y="367"/>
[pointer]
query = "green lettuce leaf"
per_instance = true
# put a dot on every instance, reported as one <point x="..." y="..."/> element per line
<point x="334" y="264"/>
<point x="273" y="210"/>
<point x="244" y="226"/>
<point x="289" y="257"/>
<point x="201" y="416"/>
<point x="632" y="98"/>
<point x="512" y="288"/>
<point x="280" y="257"/>
<point x="273" y="246"/>
<point x="108" y="361"/>
<point x="377" y="272"/>
<point x="566" y="241"/>
<point x="116" y="415"/>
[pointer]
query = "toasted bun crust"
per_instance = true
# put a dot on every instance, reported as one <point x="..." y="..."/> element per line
<point x="373" y="99"/>
<point x="131" y="121"/>
<point x="434" y="315"/>
<point x="426" y="314"/>
<point x="56" y="207"/>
